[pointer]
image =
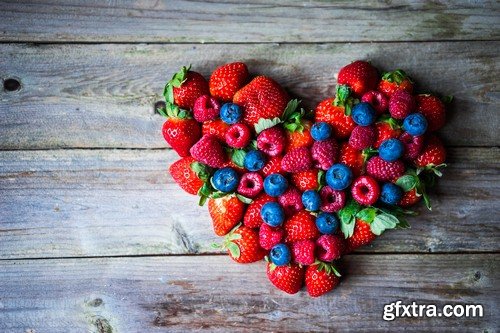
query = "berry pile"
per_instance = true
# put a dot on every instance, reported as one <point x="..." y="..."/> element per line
<point x="301" y="189"/>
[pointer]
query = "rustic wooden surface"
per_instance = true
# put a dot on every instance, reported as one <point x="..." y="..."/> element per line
<point x="91" y="237"/>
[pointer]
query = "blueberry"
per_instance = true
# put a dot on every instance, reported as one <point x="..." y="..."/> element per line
<point x="339" y="176"/>
<point x="275" y="185"/>
<point x="280" y="255"/>
<point x="390" y="150"/>
<point x="254" y="160"/>
<point x="272" y="214"/>
<point x="415" y="124"/>
<point x="327" y="223"/>
<point x="321" y="131"/>
<point x="230" y="113"/>
<point x="363" y="114"/>
<point x="311" y="200"/>
<point x="225" y="180"/>
<point x="391" y="194"/>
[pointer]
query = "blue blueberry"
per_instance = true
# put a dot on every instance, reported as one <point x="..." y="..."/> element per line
<point x="391" y="149"/>
<point x="275" y="185"/>
<point x="280" y="255"/>
<point x="415" y="124"/>
<point x="272" y="214"/>
<point x="254" y="160"/>
<point x="391" y="193"/>
<point x="230" y="113"/>
<point x="311" y="200"/>
<point x="225" y="180"/>
<point x="321" y="131"/>
<point x="327" y="223"/>
<point x="339" y="176"/>
<point x="363" y="114"/>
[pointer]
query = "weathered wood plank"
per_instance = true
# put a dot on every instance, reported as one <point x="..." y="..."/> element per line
<point x="253" y="21"/>
<point x="103" y="95"/>
<point x="117" y="202"/>
<point x="205" y="293"/>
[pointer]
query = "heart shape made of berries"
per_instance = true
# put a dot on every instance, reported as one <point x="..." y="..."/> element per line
<point x="302" y="188"/>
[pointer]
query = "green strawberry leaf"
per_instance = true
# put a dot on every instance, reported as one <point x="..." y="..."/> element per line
<point x="368" y="214"/>
<point x="290" y="109"/>
<point x="321" y="179"/>
<point x="264" y="124"/>
<point x="447" y="99"/>
<point x="234" y="249"/>
<point x="383" y="222"/>
<point x="244" y="199"/>
<point x="253" y="145"/>
<point x="350" y="209"/>
<point x="407" y="182"/>
<point x="347" y="225"/>
<point x="403" y="223"/>
<point x="238" y="157"/>
<point x="201" y="170"/>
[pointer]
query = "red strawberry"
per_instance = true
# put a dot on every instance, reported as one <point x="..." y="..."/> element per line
<point x="227" y="79"/>
<point x="303" y="252"/>
<point x="243" y="245"/>
<point x="215" y="127"/>
<point x="185" y="87"/>
<point x="206" y="108"/>
<point x="297" y="160"/>
<point x="287" y="278"/>
<point x="273" y="165"/>
<point x="272" y="141"/>
<point x="270" y="236"/>
<point x="300" y="138"/>
<point x="393" y="81"/>
<point x="305" y="180"/>
<point x="433" y="110"/>
<point x="330" y="247"/>
<point x="362" y="137"/>
<point x="300" y="226"/>
<point x="252" y="217"/>
<point x="353" y="158"/>
<point x="183" y="174"/>
<point x="360" y="76"/>
<point x="324" y="153"/>
<point x="361" y="236"/>
<point x="401" y="104"/>
<point x="320" y="279"/>
<point x="291" y="201"/>
<point x="179" y="130"/>
<point x="341" y="123"/>
<point x="377" y="100"/>
<point x="386" y="130"/>
<point x="433" y="153"/>
<point x="385" y="171"/>
<point x="209" y="150"/>
<point x="225" y="212"/>
<point x="413" y="145"/>
<point x="261" y="98"/>
<point x="410" y="198"/>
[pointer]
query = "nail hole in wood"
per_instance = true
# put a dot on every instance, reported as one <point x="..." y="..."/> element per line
<point x="11" y="84"/>
<point x="159" y="105"/>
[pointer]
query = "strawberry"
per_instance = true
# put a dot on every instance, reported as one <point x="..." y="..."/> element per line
<point x="300" y="137"/>
<point x="209" y="150"/>
<point x="360" y="76"/>
<point x="179" y="130"/>
<point x="303" y="252"/>
<point x="291" y="201"/>
<point x="384" y="130"/>
<point x="227" y="79"/>
<point x="225" y="212"/>
<point x="185" y="87"/>
<point x="301" y="226"/>
<point x="410" y="198"/>
<point x="252" y="218"/>
<point x="385" y="171"/>
<point x="324" y="153"/>
<point x="243" y="246"/>
<point x="392" y="81"/>
<point x="273" y="165"/>
<point x="333" y="112"/>
<point x="305" y="180"/>
<point x="353" y="158"/>
<point x="270" y="236"/>
<point x="321" y="278"/>
<point x="432" y="155"/>
<point x="261" y="98"/>
<point x="361" y="236"/>
<point x="297" y="160"/>
<point x="288" y="278"/>
<point x="433" y="109"/>
<point x="183" y="174"/>
<point x="215" y="127"/>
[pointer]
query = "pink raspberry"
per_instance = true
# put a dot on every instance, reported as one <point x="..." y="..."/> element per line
<point x="401" y="104"/>
<point x="331" y="200"/>
<point x="324" y="153"/>
<point x="385" y="171"/>
<point x="251" y="184"/>
<point x="270" y="236"/>
<point x="413" y="145"/>
<point x="377" y="100"/>
<point x="362" y="137"/>
<point x="206" y="108"/>
<point x="272" y="141"/>
<point x="303" y="252"/>
<point x="297" y="160"/>
<point x="238" y="135"/>
<point x="291" y="201"/>
<point x="330" y="247"/>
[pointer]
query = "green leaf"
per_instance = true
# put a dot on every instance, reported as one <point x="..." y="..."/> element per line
<point x="201" y="170"/>
<point x="367" y="214"/>
<point x="321" y="178"/>
<point x="244" y="199"/>
<point x="290" y="109"/>
<point x="403" y="223"/>
<point x="407" y="182"/>
<point x="447" y="99"/>
<point x="218" y="194"/>
<point x="383" y="222"/>
<point x="202" y="200"/>
<point x="234" y="249"/>
<point x="350" y="209"/>
<point x="238" y="157"/>
<point x="264" y="124"/>
<point x="347" y="226"/>
<point x="253" y="145"/>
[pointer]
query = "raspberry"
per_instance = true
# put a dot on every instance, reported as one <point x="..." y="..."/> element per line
<point x="413" y="145"/>
<point x="291" y="201"/>
<point x="385" y="171"/>
<point x="270" y="236"/>
<point x="377" y="100"/>
<point x="238" y="136"/>
<point x="365" y="190"/>
<point x="401" y="104"/>
<point x="297" y="160"/>
<point x="330" y="247"/>
<point x="251" y="184"/>
<point x="303" y="252"/>
<point x="324" y="153"/>
<point x="272" y="141"/>
<point x="362" y="137"/>
<point x="331" y="200"/>
<point x="205" y="108"/>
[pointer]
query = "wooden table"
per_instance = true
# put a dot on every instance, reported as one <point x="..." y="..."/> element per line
<point x="96" y="237"/>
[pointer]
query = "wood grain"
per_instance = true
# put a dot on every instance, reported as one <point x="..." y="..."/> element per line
<point x="184" y="294"/>
<point x="247" y="21"/>
<point x="104" y="95"/>
<point x="70" y="203"/>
